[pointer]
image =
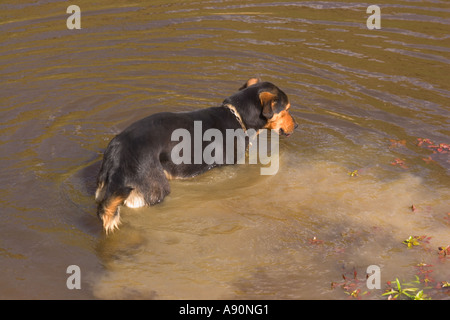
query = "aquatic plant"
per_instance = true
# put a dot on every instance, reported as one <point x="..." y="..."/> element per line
<point x="353" y="173"/>
<point x="405" y="289"/>
<point x="400" y="163"/>
<point x="352" y="286"/>
<point x="416" y="240"/>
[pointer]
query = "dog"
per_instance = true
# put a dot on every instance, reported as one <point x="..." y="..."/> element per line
<point x="137" y="163"/>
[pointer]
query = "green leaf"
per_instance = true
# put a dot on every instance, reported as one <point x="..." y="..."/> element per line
<point x="419" y="295"/>
<point x="398" y="285"/>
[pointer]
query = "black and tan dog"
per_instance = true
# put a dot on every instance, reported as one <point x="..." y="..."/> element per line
<point x="137" y="163"/>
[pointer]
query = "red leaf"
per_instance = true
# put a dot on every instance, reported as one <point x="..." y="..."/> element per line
<point x="400" y="163"/>
<point x="428" y="160"/>
<point x="397" y="143"/>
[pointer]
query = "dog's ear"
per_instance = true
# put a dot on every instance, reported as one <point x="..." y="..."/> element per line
<point x="249" y="83"/>
<point x="267" y="101"/>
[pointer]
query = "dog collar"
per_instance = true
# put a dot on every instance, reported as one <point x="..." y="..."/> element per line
<point x="236" y="114"/>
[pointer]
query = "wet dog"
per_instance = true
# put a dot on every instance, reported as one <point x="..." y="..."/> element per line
<point x="138" y="163"/>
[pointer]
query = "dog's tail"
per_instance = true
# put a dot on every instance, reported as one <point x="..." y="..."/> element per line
<point x="108" y="209"/>
<point x="111" y="190"/>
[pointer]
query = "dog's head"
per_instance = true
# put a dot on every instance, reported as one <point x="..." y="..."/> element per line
<point x="263" y="105"/>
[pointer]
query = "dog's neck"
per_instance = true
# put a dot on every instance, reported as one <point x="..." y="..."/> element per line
<point x="236" y="114"/>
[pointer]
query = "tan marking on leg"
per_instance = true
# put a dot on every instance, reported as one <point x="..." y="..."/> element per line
<point x="169" y="176"/>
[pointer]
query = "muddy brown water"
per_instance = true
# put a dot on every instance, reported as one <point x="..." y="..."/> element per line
<point x="362" y="99"/>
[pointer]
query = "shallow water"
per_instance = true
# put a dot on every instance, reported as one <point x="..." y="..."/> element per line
<point x="362" y="99"/>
